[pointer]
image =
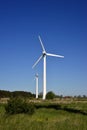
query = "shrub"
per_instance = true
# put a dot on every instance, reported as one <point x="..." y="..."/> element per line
<point x="50" y="95"/>
<point x="18" y="105"/>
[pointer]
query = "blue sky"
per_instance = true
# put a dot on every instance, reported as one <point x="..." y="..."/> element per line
<point x="62" y="26"/>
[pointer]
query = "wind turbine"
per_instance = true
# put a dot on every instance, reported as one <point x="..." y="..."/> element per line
<point x="36" y="77"/>
<point x="43" y="56"/>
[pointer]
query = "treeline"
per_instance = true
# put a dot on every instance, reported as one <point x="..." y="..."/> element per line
<point x="8" y="94"/>
<point x="24" y="94"/>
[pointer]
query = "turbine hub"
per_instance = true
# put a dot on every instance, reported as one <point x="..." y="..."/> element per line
<point x="44" y="53"/>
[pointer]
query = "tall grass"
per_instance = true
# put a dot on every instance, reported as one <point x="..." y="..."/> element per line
<point x="45" y="119"/>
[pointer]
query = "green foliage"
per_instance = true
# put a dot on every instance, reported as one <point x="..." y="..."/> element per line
<point x="50" y="95"/>
<point x="18" y="105"/>
<point x="5" y="94"/>
<point x="48" y="106"/>
<point x="14" y="94"/>
<point x="47" y="118"/>
<point x="22" y="94"/>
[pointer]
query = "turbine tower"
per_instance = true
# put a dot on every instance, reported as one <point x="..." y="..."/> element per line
<point x="44" y="54"/>
<point x="36" y="77"/>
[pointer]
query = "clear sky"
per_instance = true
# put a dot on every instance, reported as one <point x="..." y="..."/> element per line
<point x="62" y="26"/>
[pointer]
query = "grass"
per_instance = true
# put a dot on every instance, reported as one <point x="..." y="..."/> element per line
<point x="47" y="118"/>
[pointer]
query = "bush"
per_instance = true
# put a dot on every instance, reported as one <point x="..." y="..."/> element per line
<point x="50" y="95"/>
<point x="18" y="105"/>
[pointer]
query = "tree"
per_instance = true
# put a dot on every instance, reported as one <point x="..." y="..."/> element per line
<point x="50" y="95"/>
<point x="40" y="94"/>
<point x="84" y="96"/>
<point x="5" y="94"/>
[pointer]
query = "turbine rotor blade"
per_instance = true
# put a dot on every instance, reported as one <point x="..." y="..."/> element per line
<point x="41" y="44"/>
<point x="37" y="61"/>
<point x="48" y="54"/>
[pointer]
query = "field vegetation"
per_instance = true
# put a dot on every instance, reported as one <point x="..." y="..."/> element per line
<point x="57" y="114"/>
<point x="20" y="110"/>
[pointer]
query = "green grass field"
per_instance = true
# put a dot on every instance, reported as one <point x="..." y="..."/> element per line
<point x="70" y="116"/>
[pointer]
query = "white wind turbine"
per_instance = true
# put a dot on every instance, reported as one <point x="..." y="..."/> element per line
<point x="36" y="77"/>
<point x="44" y="54"/>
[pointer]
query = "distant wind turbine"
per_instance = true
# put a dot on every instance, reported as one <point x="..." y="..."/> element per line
<point x="44" y="54"/>
<point x="36" y="77"/>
